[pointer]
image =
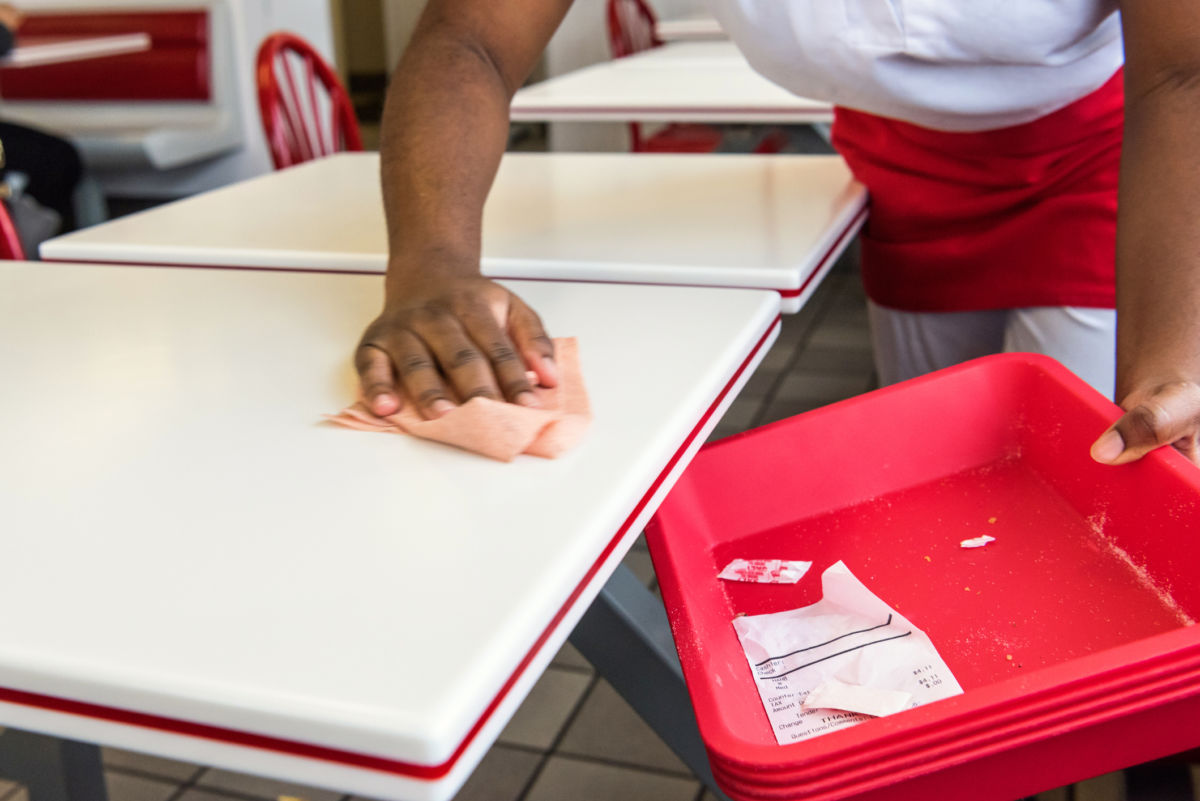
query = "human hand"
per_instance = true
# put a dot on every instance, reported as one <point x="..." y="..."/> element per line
<point x="1156" y="414"/>
<point x="448" y="339"/>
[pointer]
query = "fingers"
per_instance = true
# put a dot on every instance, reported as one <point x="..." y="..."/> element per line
<point x="1166" y="415"/>
<point x="398" y="360"/>
<point x="462" y="346"/>
<point x="419" y="375"/>
<point x="535" y="346"/>
<point x="504" y="365"/>
<point x="377" y="380"/>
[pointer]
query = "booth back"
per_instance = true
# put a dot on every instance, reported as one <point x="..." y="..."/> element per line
<point x="176" y="67"/>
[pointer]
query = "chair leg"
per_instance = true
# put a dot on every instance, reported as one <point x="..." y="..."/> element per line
<point x="91" y="207"/>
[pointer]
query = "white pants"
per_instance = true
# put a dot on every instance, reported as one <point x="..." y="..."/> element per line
<point x="909" y="344"/>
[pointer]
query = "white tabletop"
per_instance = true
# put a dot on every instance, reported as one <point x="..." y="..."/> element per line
<point x="696" y="27"/>
<point x="37" y="51"/>
<point x="677" y="82"/>
<point x="206" y="571"/>
<point x="770" y="222"/>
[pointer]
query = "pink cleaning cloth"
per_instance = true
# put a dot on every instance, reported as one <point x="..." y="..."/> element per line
<point x="497" y="429"/>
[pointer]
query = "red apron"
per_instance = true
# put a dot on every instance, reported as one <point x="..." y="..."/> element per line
<point x="1007" y="218"/>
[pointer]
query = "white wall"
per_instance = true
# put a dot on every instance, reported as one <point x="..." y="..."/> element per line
<point x="581" y="40"/>
<point x="399" y="20"/>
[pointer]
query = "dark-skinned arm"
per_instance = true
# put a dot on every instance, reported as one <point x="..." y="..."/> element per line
<point x="445" y="331"/>
<point x="1158" y="235"/>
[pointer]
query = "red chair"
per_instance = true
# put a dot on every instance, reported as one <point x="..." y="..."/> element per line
<point x="631" y="25"/>
<point x="302" y="120"/>
<point x="10" y="241"/>
<point x="631" y="30"/>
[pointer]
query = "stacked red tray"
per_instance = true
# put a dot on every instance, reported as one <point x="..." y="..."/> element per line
<point x="1072" y="633"/>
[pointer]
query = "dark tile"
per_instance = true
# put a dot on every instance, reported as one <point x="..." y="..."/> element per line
<point x="739" y="418"/>
<point x="1109" y="787"/>
<point x="228" y="781"/>
<point x="779" y="356"/>
<point x="759" y="385"/>
<point x="565" y="778"/>
<point x="502" y="775"/>
<point x="1165" y="780"/>
<point x="639" y="563"/>
<point x="839" y="335"/>
<point x="827" y="387"/>
<point x="569" y="657"/>
<point x="195" y="794"/>
<point x="134" y="762"/>
<point x="540" y="718"/>
<point x="123" y="787"/>
<point x="788" y="407"/>
<point x="607" y="729"/>
<point x="825" y="359"/>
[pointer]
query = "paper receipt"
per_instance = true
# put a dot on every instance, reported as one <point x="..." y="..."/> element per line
<point x="849" y="637"/>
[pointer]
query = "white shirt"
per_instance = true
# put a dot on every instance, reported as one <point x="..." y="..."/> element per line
<point x="954" y="65"/>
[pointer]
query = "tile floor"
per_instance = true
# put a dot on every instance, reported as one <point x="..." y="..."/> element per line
<point x="574" y="738"/>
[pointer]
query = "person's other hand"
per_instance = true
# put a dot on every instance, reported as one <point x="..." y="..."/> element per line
<point x="444" y="340"/>
<point x="1156" y="414"/>
<point x="10" y="16"/>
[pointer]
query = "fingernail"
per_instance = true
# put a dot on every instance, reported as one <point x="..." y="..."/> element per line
<point x="550" y="367"/>
<point x="527" y="399"/>
<point x="441" y="406"/>
<point x="1108" y="447"/>
<point x="383" y="405"/>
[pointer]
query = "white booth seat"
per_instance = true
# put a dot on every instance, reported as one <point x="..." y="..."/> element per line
<point x="122" y="136"/>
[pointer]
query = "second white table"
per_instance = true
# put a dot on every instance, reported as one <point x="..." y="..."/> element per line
<point x="677" y="82"/>
<point x="691" y="28"/>
<point x="759" y="222"/>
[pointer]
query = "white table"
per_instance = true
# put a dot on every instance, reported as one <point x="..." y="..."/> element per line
<point x="767" y="222"/>
<point x="207" y="572"/>
<point x="677" y="82"/>
<point x="37" y="51"/>
<point x="696" y="27"/>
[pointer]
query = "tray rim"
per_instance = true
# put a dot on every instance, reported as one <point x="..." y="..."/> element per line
<point x="1024" y="709"/>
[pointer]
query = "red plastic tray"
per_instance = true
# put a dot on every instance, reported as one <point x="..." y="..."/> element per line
<point x="1072" y="634"/>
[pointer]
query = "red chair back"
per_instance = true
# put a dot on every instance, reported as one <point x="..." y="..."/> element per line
<point x="306" y="112"/>
<point x="630" y="27"/>
<point x="175" y="67"/>
<point x="10" y="241"/>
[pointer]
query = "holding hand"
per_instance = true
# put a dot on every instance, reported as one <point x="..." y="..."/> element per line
<point x="1157" y="414"/>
